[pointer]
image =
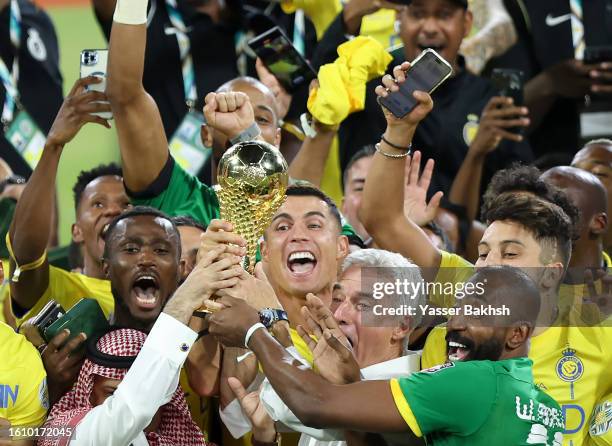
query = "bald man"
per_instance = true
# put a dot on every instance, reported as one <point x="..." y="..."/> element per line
<point x="596" y="157"/>
<point x="486" y="396"/>
<point x="589" y="195"/>
<point x="151" y="175"/>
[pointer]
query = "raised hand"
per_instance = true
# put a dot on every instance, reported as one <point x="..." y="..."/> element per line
<point x="209" y="275"/>
<point x="283" y="99"/>
<point x="390" y="84"/>
<point x="416" y="207"/>
<point x="263" y="426"/>
<point x="331" y="351"/>
<point x="220" y="233"/>
<point x="229" y="112"/>
<point x="76" y="110"/>
<point x="498" y="117"/>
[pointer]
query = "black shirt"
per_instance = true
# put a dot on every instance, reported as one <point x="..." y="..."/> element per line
<point x="40" y="80"/>
<point x="443" y="135"/>
<point x="544" y="42"/>
<point x="212" y="50"/>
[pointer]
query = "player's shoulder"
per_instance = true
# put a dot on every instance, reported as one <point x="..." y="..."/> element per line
<point x="59" y="277"/>
<point x="16" y="351"/>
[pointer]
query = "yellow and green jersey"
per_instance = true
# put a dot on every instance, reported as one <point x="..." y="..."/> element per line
<point x="571" y="361"/>
<point x="478" y="403"/>
<point x="572" y="364"/>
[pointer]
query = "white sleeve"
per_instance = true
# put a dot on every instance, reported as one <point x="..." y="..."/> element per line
<point x="148" y="385"/>
<point x="279" y="411"/>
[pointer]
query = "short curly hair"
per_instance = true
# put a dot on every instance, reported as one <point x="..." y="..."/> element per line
<point x="87" y="176"/>
<point x="522" y="178"/>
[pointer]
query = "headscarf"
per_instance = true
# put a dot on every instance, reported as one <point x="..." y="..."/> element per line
<point x="176" y="427"/>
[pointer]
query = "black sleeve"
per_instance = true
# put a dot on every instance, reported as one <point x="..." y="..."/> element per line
<point x="158" y="185"/>
<point x="327" y="48"/>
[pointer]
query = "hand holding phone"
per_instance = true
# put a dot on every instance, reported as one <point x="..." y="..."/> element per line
<point x="282" y="59"/>
<point x="392" y="85"/>
<point x="426" y="73"/>
<point x="93" y="63"/>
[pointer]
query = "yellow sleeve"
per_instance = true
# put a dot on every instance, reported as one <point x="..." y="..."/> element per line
<point x="320" y="12"/>
<point x="404" y="408"/>
<point x="453" y="269"/>
<point x="68" y="288"/>
<point x="434" y="351"/>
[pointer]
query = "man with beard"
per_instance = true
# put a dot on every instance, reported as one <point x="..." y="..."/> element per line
<point x="99" y="196"/>
<point x="465" y="103"/>
<point x="378" y="348"/>
<point x="523" y="231"/>
<point x="489" y="398"/>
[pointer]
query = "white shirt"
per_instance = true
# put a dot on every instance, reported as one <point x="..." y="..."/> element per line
<point x="238" y="424"/>
<point x="149" y="384"/>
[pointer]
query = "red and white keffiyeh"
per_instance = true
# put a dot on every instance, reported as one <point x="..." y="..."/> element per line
<point x="176" y="427"/>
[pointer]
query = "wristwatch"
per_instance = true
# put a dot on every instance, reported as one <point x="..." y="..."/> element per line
<point x="269" y="316"/>
<point x="249" y="134"/>
<point x="11" y="180"/>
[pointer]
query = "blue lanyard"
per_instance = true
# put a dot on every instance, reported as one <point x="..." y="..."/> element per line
<point x="10" y="79"/>
<point x="191" y="95"/>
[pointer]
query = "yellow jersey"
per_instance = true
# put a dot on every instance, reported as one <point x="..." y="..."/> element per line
<point x="24" y="398"/>
<point x="379" y="25"/>
<point x="571" y="363"/>
<point x="68" y="288"/>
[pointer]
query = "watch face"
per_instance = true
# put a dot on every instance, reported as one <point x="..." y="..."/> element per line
<point x="266" y="317"/>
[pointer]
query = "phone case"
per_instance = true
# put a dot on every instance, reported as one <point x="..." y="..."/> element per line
<point x="93" y="63"/>
<point x="396" y="103"/>
<point x="85" y="317"/>
<point x="290" y="68"/>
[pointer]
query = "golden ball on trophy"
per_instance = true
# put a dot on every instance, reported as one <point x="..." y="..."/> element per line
<point x="252" y="178"/>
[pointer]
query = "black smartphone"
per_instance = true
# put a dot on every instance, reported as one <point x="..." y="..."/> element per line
<point x="509" y="83"/>
<point x="47" y="316"/>
<point x="282" y="59"/>
<point x="427" y="72"/>
<point x="597" y="54"/>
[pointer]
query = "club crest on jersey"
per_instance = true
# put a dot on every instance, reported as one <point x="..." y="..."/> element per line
<point x="601" y="421"/>
<point x="470" y="128"/>
<point x="569" y="367"/>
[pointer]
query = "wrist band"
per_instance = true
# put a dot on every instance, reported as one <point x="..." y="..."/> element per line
<point x="391" y="155"/>
<point x="407" y="149"/>
<point x="250" y="332"/>
<point x="250" y="134"/>
<point x="131" y="12"/>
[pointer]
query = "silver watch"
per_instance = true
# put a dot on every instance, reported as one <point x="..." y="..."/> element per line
<point x="249" y="134"/>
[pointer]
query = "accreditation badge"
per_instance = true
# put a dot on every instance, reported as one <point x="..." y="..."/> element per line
<point x="186" y="145"/>
<point x="25" y="136"/>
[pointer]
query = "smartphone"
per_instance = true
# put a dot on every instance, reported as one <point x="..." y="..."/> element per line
<point x="282" y="59"/>
<point x="93" y="63"/>
<point x="427" y="72"/>
<point x="509" y="83"/>
<point x="597" y="54"/>
<point x="47" y="316"/>
<point x="85" y="316"/>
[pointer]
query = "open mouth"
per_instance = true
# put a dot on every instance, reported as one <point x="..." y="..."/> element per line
<point x="437" y="48"/>
<point x="103" y="231"/>
<point x="457" y="351"/>
<point x="301" y="262"/>
<point x="146" y="291"/>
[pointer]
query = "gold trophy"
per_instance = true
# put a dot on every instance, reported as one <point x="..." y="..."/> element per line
<point x="252" y="178"/>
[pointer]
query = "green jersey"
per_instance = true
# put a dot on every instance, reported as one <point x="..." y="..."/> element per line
<point x="177" y="192"/>
<point x="479" y="403"/>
